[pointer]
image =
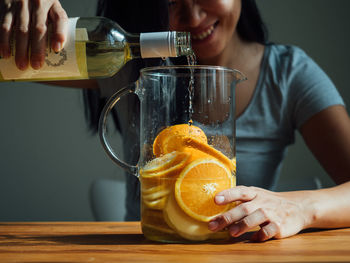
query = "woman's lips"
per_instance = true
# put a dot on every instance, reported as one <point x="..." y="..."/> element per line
<point x="204" y="35"/>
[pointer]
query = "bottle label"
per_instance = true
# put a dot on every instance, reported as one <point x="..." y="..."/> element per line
<point x="61" y="65"/>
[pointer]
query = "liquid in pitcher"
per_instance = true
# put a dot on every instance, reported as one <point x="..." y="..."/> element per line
<point x="179" y="184"/>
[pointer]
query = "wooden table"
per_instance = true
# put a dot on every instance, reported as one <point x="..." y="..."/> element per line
<point x="123" y="242"/>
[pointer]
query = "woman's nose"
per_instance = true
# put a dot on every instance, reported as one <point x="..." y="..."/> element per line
<point x="193" y="13"/>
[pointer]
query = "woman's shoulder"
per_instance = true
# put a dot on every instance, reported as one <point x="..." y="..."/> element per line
<point x="286" y="53"/>
<point x="290" y="62"/>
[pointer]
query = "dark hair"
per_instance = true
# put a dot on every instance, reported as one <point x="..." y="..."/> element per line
<point x="250" y="25"/>
<point x="134" y="16"/>
<point x="145" y="16"/>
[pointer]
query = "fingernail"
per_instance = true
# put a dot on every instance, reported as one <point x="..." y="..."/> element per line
<point x="234" y="229"/>
<point x="213" y="225"/>
<point x="36" y="64"/>
<point x="219" y="199"/>
<point x="22" y="65"/>
<point x="57" y="47"/>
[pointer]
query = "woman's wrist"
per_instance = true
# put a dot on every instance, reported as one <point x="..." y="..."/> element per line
<point x="324" y="208"/>
<point x="309" y="204"/>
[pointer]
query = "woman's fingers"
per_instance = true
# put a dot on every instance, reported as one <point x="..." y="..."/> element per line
<point x="39" y="32"/>
<point x="238" y="193"/>
<point x="59" y="19"/>
<point x="27" y="21"/>
<point x="278" y="215"/>
<point x="22" y="34"/>
<point x="7" y="20"/>
<point x="270" y="230"/>
<point x="234" y="215"/>
<point x="252" y="221"/>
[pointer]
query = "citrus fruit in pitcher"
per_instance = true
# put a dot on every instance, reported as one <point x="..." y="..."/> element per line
<point x="154" y="219"/>
<point x="162" y="163"/>
<point x="158" y="176"/>
<point x="183" y="224"/>
<point x="162" y="168"/>
<point x="197" y="185"/>
<point x="167" y="140"/>
<point x="186" y="226"/>
<point x="198" y="149"/>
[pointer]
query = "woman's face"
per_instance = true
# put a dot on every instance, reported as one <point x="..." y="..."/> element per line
<point x="211" y="23"/>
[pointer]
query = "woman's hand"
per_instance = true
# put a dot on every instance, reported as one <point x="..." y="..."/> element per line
<point x="27" y="20"/>
<point x="279" y="215"/>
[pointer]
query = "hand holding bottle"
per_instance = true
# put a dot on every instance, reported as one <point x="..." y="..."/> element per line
<point x="28" y="21"/>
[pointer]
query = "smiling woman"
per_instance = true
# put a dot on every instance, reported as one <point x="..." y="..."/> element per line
<point x="286" y="91"/>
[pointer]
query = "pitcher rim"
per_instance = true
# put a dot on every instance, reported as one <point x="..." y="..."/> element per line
<point x="153" y="69"/>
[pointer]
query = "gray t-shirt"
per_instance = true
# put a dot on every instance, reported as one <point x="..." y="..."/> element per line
<point x="291" y="88"/>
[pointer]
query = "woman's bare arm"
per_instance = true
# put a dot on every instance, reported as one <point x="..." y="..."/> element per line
<point x="280" y="215"/>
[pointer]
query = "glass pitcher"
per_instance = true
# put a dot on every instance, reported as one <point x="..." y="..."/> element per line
<point x="187" y="148"/>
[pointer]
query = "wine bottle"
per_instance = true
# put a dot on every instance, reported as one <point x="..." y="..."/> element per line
<point x="97" y="47"/>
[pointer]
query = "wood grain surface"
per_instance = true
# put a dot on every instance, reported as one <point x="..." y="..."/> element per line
<point x="124" y="242"/>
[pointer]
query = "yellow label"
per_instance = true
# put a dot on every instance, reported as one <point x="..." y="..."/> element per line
<point x="80" y="47"/>
<point x="69" y="63"/>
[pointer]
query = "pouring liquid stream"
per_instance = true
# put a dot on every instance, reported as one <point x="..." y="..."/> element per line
<point x="191" y="61"/>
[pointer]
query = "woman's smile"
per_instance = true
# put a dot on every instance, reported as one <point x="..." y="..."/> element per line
<point x="212" y="25"/>
<point x="202" y="34"/>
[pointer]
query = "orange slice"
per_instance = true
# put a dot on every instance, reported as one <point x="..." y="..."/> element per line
<point x="166" y="140"/>
<point x="198" y="149"/>
<point x="234" y="163"/>
<point x="197" y="186"/>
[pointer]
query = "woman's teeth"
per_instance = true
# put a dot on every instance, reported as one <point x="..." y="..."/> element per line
<point x="204" y="34"/>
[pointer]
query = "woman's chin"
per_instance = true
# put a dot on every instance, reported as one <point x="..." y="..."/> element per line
<point x="205" y="56"/>
<point x="208" y="50"/>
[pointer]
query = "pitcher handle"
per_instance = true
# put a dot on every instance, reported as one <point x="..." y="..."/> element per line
<point x="102" y="128"/>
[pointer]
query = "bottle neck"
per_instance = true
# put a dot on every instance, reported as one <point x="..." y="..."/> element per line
<point x="183" y="44"/>
<point x="134" y="49"/>
<point x="165" y="44"/>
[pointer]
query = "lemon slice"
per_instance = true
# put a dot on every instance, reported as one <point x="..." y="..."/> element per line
<point x="162" y="163"/>
<point x="154" y="220"/>
<point x="184" y="225"/>
<point x="164" y="177"/>
<point x="156" y="195"/>
<point x="151" y="190"/>
<point x="157" y="204"/>
<point x="178" y="163"/>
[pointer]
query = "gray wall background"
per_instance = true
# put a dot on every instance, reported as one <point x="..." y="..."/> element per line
<point x="48" y="160"/>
